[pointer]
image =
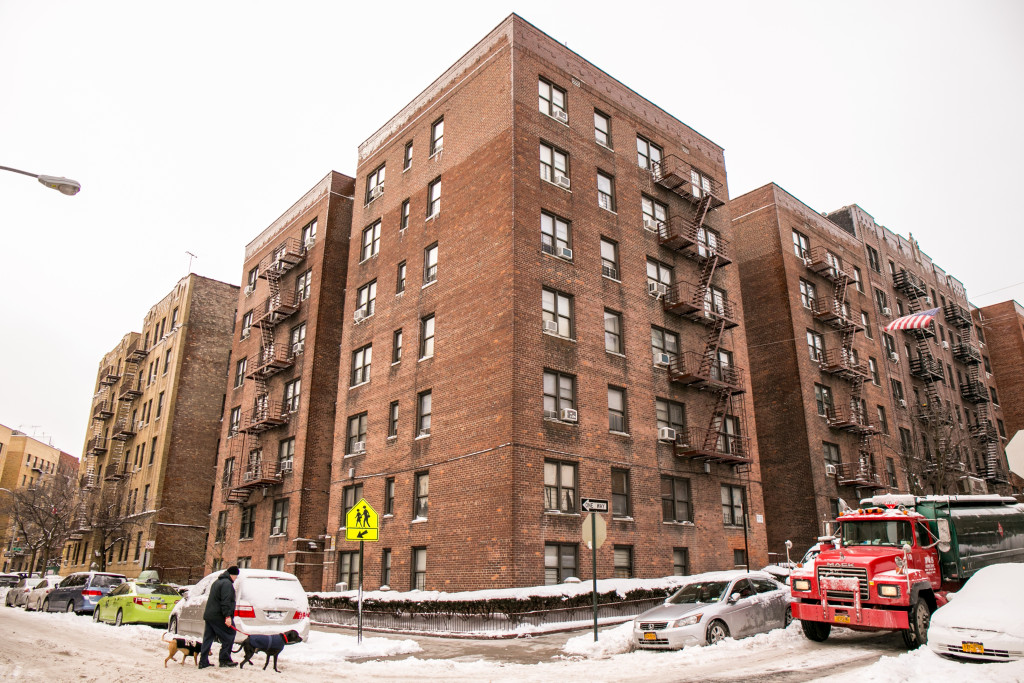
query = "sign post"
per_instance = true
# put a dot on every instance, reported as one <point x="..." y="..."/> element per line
<point x="594" y="538"/>
<point x="361" y="524"/>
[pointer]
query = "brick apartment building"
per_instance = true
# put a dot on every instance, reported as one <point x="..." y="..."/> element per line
<point x="274" y="459"/>
<point x="541" y="306"/>
<point x="1001" y="330"/>
<point x="845" y="409"/>
<point x="150" y="450"/>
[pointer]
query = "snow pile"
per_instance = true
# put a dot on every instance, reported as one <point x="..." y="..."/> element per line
<point x="987" y="602"/>
<point x="333" y="647"/>
<point x="924" y="665"/>
<point x="613" y="641"/>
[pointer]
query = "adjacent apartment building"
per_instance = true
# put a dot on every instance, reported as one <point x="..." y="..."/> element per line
<point x="542" y="306"/>
<point x="274" y="459"/>
<point x="1001" y="335"/>
<point x="844" y="408"/>
<point x="148" y="462"/>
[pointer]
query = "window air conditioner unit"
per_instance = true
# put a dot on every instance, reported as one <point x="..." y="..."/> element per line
<point x="245" y="334"/>
<point x="359" y="447"/>
<point x="945" y="345"/>
<point x="360" y="315"/>
<point x="666" y="434"/>
<point x="249" y="289"/>
<point x="568" y="415"/>
<point x="903" y="402"/>
<point x="608" y="271"/>
<point x="248" y="476"/>
<point x="551" y="326"/>
<point x="928" y="301"/>
<point x="566" y="253"/>
<point x="807" y="260"/>
<point x="298" y="347"/>
<point x="830" y="470"/>
<point x="377" y="191"/>
<point x="562" y="180"/>
<point x="886" y="311"/>
<point x="650" y="224"/>
<point x="310" y="241"/>
<point x="285" y="468"/>
<point x="662" y="359"/>
<point x="894" y="358"/>
<point x="560" y="116"/>
<point x="276" y="530"/>
<point x="437" y="151"/>
<point x="657" y="289"/>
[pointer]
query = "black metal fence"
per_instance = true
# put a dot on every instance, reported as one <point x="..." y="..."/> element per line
<point x="475" y="624"/>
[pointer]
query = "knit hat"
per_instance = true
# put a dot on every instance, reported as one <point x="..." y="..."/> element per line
<point x="233" y="570"/>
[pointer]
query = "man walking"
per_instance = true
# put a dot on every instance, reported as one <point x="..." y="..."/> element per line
<point x="220" y="610"/>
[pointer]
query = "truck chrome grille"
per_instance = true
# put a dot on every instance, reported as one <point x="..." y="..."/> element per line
<point x="859" y="573"/>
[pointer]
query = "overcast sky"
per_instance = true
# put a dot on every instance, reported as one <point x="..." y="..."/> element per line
<point x="193" y="125"/>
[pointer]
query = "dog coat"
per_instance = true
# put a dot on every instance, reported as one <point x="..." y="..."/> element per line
<point x="274" y="642"/>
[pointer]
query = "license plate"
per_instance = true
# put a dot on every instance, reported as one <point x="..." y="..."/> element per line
<point x="841" y="618"/>
<point x="650" y="636"/>
<point x="973" y="648"/>
<point x="274" y="616"/>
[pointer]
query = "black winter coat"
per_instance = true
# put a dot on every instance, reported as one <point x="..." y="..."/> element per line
<point x="221" y="602"/>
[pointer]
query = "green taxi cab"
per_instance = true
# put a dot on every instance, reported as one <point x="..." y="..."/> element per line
<point x="137" y="603"/>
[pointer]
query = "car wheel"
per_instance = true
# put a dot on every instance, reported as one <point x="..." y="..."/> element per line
<point x="46" y="605"/>
<point x="119" y="619"/>
<point x="816" y="630"/>
<point x="71" y="607"/>
<point x="96" y="614"/>
<point x="920" y="616"/>
<point x="789" y="616"/>
<point x="717" y="631"/>
<point x="172" y="625"/>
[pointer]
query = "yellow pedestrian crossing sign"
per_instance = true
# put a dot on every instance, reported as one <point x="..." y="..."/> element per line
<point x="362" y="523"/>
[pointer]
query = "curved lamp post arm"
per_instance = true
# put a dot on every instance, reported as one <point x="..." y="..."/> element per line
<point x="63" y="185"/>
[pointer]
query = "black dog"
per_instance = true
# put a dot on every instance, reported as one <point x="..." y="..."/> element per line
<point x="271" y="645"/>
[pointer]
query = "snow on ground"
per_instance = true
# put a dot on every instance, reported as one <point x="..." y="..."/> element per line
<point x="924" y="665"/>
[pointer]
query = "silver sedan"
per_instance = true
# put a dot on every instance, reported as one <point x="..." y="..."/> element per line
<point x="712" y="607"/>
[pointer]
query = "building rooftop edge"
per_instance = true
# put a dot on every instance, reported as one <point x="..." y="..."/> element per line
<point x="320" y="188"/>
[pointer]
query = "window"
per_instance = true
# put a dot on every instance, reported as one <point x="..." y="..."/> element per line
<point x="234" y="420"/>
<point x="403" y="222"/>
<point x="356" y="434"/>
<point x="375" y="184"/>
<point x="145" y="498"/>
<point x="389" y="496"/>
<point x="407" y="156"/>
<point x="890" y="472"/>
<point x="348" y="568"/>
<point x="551" y="100"/>
<point x="881" y="302"/>
<point x="801" y="245"/>
<point x="1000" y="426"/>
<point x="612" y="332"/>
<point x="248" y="525"/>
<point x="991" y="390"/>
<point x="554" y="165"/>
<point x="873" y="369"/>
<point x="434" y="197"/>
<point x="892" y="267"/>
<point x="899" y="308"/>
<point x="371" y="241"/>
<point x="739" y="559"/>
<point x="302" y="285"/>
<point x="883" y="423"/>
<point x="988" y="366"/>
<point x="275" y="563"/>
<point x="286" y="454"/>
<point x="309" y="234"/>
<point x="393" y="419"/>
<point x="430" y="264"/>
<point x="670" y="414"/>
<point x="831" y="453"/>
<point x="662" y="342"/>
<point x="246" y="324"/>
<point x="559" y="393"/>
<point x="421" y="495"/>
<point x="890" y="345"/>
<point x="556" y="308"/>
<point x="675" y="500"/>
<point x="865" y="320"/>
<point x="222" y="527"/>
<point x="419" y="569"/>
<point x="241" y="563"/>
<point x="427" y="337"/>
<point x="152" y="450"/>
<point x="659" y="276"/>
<point x="437" y="136"/>
<point x="858" y="279"/>
<point x="396" y="346"/>
<point x="823" y="398"/>
<point x="361" y="359"/>
<point x="366" y="299"/>
<point x="654" y="212"/>
<point x="873" y="261"/>
<point x="815" y="345"/>
<point x="555" y="234"/>
<point x="400" y="278"/>
<point x="297" y="339"/>
<point x="559" y="486"/>
<point x="350" y="495"/>
<point x="897" y="390"/>
<point x="228" y="474"/>
<point x="602" y="129"/>
<point x="733" y="507"/>
<point x="681" y="561"/>
<point x="167" y="361"/>
<point x="240" y="367"/>
<point x="423" y="410"/>
<point x="609" y="258"/>
<point x="617" y="410"/>
<point x="291" y="395"/>
<point x="251" y="279"/>
<point x="279" y="517"/>
<point x="648" y="154"/>
<point x="623" y="558"/>
<point x="808" y="293"/>
<point x="620" y="493"/>
<point x="385" y="567"/>
<point x="605" y="191"/>
<point x="559" y="562"/>
<point x="729" y="436"/>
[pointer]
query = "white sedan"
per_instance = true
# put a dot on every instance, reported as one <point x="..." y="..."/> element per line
<point x="40" y="590"/>
<point x="985" y="619"/>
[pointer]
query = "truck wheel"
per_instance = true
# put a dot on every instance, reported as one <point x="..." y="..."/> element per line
<point x="816" y="630"/>
<point x="920" y="616"/>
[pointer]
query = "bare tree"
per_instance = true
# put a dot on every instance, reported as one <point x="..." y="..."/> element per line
<point x="43" y="517"/>
<point x="110" y="518"/>
<point x="938" y="462"/>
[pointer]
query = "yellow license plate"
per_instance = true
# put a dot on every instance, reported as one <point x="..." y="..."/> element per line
<point x="842" y="618"/>
<point x="650" y="636"/>
<point x="973" y="648"/>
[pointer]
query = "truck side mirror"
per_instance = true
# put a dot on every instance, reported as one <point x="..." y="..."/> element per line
<point x="945" y="538"/>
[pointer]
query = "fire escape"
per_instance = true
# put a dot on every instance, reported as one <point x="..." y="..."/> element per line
<point x="254" y="470"/>
<point x="124" y="429"/>
<point x="710" y="369"/>
<point x="842" y="362"/>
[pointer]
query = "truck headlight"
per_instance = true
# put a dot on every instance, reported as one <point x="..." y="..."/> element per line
<point x="887" y="591"/>
<point x="801" y="584"/>
<point x="689" y="620"/>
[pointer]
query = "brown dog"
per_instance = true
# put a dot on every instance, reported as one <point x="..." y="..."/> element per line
<point x="187" y="648"/>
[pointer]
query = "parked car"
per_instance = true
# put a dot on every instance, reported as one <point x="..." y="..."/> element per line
<point x="712" y="607"/>
<point x="982" y="621"/>
<point x="18" y="592"/>
<point x="137" y="603"/>
<point x="267" y="602"/>
<point x="80" y="591"/>
<point x="39" y="592"/>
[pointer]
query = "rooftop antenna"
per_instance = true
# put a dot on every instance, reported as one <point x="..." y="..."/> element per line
<point x="190" y="257"/>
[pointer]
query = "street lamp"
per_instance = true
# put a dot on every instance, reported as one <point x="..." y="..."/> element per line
<point x="64" y="185"/>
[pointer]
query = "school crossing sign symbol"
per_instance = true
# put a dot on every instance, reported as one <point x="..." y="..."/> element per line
<point x="362" y="523"/>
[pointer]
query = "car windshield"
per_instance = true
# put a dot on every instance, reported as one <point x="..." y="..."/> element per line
<point x="702" y="591"/>
<point x="156" y="590"/>
<point x="877" y="532"/>
<point x="106" y="581"/>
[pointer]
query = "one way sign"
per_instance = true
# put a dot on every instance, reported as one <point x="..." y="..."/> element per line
<point x="594" y="505"/>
